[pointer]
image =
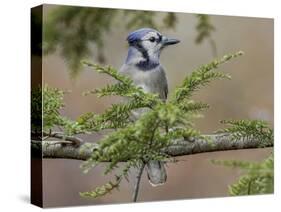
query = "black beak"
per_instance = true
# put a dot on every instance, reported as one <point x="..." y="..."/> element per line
<point x="170" y="41"/>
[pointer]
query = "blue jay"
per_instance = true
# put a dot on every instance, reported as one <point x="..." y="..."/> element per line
<point x="143" y="66"/>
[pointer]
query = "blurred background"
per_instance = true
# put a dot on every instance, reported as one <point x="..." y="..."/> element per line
<point x="99" y="35"/>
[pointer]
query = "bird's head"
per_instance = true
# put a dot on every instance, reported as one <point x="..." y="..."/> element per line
<point x="149" y="43"/>
<point x="149" y="40"/>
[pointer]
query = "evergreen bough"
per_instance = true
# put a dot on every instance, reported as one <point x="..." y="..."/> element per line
<point x="137" y="141"/>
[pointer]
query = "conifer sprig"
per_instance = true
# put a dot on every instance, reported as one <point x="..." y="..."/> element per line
<point x="124" y="87"/>
<point x="258" y="177"/>
<point x="201" y="77"/>
<point x="46" y="104"/>
<point x="246" y="129"/>
<point x="104" y="189"/>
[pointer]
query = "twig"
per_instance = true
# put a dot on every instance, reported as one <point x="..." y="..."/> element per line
<point x="213" y="47"/>
<point x="249" y="187"/>
<point x="137" y="184"/>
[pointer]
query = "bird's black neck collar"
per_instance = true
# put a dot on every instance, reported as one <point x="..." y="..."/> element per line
<point x="146" y="64"/>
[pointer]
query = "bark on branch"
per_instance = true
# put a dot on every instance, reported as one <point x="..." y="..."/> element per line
<point x="216" y="142"/>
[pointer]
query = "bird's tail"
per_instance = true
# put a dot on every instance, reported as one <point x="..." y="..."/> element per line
<point x="156" y="173"/>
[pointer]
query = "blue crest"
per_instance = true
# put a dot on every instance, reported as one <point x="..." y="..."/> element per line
<point x="138" y="34"/>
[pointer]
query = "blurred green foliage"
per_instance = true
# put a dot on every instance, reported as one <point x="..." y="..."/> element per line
<point x="75" y="30"/>
<point x="204" y="29"/>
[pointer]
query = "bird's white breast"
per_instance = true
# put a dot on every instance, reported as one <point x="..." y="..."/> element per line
<point x="147" y="80"/>
<point x="144" y="79"/>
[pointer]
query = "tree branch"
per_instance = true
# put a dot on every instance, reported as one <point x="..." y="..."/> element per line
<point x="60" y="135"/>
<point x="216" y="142"/>
<point x="137" y="184"/>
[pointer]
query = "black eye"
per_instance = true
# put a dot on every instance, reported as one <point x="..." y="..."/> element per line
<point x="152" y="39"/>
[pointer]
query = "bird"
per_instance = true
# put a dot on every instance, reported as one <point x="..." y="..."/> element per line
<point x="143" y="66"/>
